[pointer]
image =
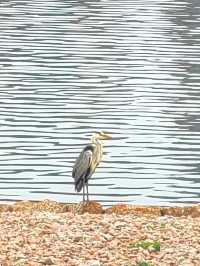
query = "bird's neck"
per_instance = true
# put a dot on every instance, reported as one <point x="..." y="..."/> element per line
<point x="96" y="141"/>
<point x="99" y="147"/>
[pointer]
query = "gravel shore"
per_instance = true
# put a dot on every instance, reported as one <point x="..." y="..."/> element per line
<point x="34" y="235"/>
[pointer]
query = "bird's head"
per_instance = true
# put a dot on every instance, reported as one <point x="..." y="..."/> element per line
<point x="101" y="135"/>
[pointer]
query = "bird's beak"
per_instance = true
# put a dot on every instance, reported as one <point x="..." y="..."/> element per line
<point x="106" y="136"/>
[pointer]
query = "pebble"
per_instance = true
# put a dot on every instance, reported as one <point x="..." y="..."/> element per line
<point x="93" y="263"/>
<point x="48" y="261"/>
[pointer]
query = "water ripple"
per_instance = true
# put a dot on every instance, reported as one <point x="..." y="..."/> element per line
<point x="69" y="68"/>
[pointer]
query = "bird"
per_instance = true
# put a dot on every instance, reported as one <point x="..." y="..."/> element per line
<point x="87" y="162"/>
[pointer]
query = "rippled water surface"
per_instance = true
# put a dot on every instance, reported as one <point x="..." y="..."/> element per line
<point x="131" y="68"/>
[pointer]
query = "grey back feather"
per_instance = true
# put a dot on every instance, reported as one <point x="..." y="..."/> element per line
<point x="81" y="169"/>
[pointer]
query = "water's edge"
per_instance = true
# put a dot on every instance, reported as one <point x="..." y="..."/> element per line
<point x="94" y="207"/>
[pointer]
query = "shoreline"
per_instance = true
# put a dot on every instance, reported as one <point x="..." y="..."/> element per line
<point x="93" y="207"/>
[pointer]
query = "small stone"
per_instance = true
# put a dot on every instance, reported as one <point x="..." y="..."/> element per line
<point x="119" y="225"/>
<point x="77" y="238"/>
<point x="93" y="263"/>
<point x="108" y="237"/>
<point x="48" y="261"/>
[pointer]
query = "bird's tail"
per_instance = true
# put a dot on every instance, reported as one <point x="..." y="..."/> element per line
<point x="79" y="185"/>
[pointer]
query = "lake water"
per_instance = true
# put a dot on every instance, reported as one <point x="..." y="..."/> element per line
<point x="130" y="68"/>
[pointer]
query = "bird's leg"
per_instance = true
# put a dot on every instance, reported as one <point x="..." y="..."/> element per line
<point x="84" y="191"/>
<point x="87" y="191"/>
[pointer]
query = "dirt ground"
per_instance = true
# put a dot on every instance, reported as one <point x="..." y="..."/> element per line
<point x="50" y="233"/>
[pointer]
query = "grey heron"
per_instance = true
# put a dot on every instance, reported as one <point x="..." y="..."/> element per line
<point x="87" y="162"/>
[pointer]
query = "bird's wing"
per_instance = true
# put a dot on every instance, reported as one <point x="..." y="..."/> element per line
<point x="82" y="164"/>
